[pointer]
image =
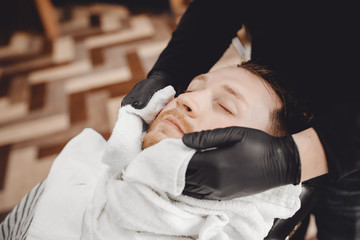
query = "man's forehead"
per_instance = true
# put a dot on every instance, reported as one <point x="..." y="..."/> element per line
<point x="222" y="86"/>
<point x="221" y="75"/>
<point x="242" y="82"/>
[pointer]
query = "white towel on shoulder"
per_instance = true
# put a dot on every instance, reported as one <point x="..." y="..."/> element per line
<point x="139" y="196"/>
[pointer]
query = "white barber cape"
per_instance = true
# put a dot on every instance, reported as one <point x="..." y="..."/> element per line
<point x="69" y="188"/>
<point x="99" y="189"/>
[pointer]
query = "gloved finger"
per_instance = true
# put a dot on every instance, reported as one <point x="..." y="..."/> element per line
<point x="139" y="96"/>
<point x="214" y="138"/>
<point x="155" y="105"/>
<point x="143" y="91"/>
<point x="196" y="191"/>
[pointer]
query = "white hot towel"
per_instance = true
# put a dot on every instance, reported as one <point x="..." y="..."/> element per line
<point x="139" y="196"/>
<point x="126" y="139"/>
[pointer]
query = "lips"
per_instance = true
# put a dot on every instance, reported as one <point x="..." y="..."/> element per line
<point x="175" y="123"/>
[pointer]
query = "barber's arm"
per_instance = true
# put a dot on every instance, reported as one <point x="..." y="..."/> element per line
<point x="312" y="155"/>
<point x="203" y="34"/>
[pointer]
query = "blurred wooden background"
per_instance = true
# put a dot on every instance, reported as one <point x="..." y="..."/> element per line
<point x="64" y="66"/>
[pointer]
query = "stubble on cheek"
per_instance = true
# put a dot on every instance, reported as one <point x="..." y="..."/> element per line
<point x="157" y="131"/>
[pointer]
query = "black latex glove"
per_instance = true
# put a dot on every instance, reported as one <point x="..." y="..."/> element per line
<point x="142" y="92"/>
<point x="246" y="161"/>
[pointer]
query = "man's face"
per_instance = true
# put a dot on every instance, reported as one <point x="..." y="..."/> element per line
<point x="226" y="97"/>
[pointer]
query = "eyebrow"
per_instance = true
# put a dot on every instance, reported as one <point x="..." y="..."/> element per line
<point x="235" y="93"/>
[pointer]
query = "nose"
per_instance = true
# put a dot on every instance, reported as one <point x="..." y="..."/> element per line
<point x="189" y="104"/>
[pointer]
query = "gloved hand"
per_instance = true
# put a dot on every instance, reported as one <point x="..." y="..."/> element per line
<point x="236" y="161"/>
<point x="142" y="92"/>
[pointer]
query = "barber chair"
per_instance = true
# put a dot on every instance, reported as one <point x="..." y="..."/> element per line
<point x="284" y="229"/>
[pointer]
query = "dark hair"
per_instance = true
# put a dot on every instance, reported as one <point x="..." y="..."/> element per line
<point x="292" y="117"/>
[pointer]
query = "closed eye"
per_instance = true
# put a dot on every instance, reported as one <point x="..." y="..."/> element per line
<point x="225" y="109"/>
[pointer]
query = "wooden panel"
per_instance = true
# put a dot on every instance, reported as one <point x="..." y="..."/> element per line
<point x="37" y="96"/>
<point x="135" y="66"/>
<point x="4" y="85"/>
<point x="97" y="57"/>
<point x="18" y="90"/>
<point x="77" y="107"/>
<point x="3" y="215"/>
<point x="48" y="18"/>
<point x="50" y="150"/>
<point x="4" y="156"/>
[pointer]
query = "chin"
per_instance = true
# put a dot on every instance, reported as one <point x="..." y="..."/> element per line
<point x="158" y="131"/>
<point x="152" y="138"/>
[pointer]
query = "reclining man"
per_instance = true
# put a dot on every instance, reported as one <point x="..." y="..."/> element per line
<point x="137" y="194"/>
